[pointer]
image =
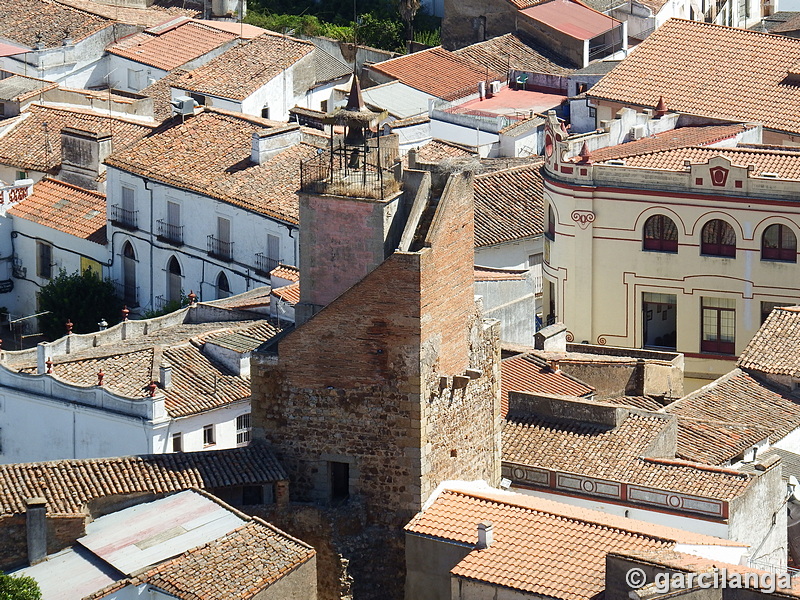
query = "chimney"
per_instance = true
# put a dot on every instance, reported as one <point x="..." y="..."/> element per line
<point x="552" y="338"/>
<point x="165" y="376"/>
<point x="82" y="156"/>
<point x="485" y="535"/>
<point x="36" y="524"/>
<point x="269" y="142"/>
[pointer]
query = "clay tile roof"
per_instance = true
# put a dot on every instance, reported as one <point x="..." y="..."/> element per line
<point x="572" y="18"/>
<point x="509" y="205"/>
<point x="549" y="549"/>
<point x="612" y="454"/>
<point x="492" y="274"/>
<point x="159" y="12"/>
<point x="288" y="293"/>
<point x="716" y="442"/>
<point x="775" y="348"/>
<point x="209" y="154"/>
<point x="438" y="150"/>
<point x="243" y="69"/>
<point x="27" y="146"/>
<point x="531" y="373"/>
<point x="710" y="70"/>
<point x="783" y="161"/>
<point x="68" y="485"/>
<point x="170" y="46"/>
<point x="23" y="19"/>
<point x="642" y="402"/>
<point x="287" y="272"/>
<point x="437" y="72"/>
<point x="237" y="565"/>
<point x="66" y="208"/>
<point x="516" y="51"/>
<point x="683" y="137"/>
<point x="738" y="397"/>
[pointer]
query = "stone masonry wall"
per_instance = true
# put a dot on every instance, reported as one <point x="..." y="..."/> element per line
<point x="62" y="531"/>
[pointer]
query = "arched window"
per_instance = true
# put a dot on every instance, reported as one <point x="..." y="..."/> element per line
<point x="129" y="292"/>
<point x="779" y="243"/>
<point x="173" y="280"/>
<point x="718" y="239"/>
<point x="223" y="287"/>
<point x="551" y="223"/>
<point x="660" y="234"/>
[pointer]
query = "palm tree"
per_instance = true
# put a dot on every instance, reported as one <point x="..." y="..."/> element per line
<point x="408" y="10"/>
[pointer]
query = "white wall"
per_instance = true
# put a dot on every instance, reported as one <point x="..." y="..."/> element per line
<point x="66" y="252"/>
<point x="199" y="219"/>
<point x="118" y="74"/>
<point x="649" y="516"/>
<point x="488" y="143"/>
<point x="191" y="428"/>
<point x="510" y="255"/>
<point x="36" y="428"/>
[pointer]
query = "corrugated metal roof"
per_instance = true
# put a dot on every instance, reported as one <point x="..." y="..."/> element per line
<point x="572" y="18"/>
<point x="147" y="534"/>
<point x="400" y="100"/>
<point x="70" y="575"/>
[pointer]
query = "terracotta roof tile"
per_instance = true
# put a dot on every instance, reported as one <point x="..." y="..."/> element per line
<point x="68" y="485"/>
<point x="437" y="72"/>
<point x="169" y="46"/>
<point x="739" y="398"/>
<point x="509" y="205"/>
<point x="775" y="348"/>
<point x="288" y="293"/>
<point x="550" y="549"/>
<point x="65" y="207"/>
<point x="642" y="402"/>
<point x="710" y="70"/>
<point x="244" y="68"/>
<point x="492" y="274"/>
<point x="438" y="150"/>
<point x="784" y="162"/>
<point x="24" y="19"/>
<point x="288" y="272"/>
<point x="530" y="373"/>
<point x="209" y="154"/>
<point x="613" y="454"/>
<point x="158" y="12"/>
<point x="683" y="137"/>
<point x="716" y="442"/>
<point x="237" y="565"/>
<point x="29" y="146"/>
<point x="516" y="51"/>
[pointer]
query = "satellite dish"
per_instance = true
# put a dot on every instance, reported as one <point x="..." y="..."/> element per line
<point x="794" y="489"/>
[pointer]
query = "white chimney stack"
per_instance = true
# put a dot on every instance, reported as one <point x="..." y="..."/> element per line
<point x="485" y="535"/>
<point x="165" y="376"/>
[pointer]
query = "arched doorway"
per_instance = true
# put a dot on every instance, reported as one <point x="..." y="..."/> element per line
<point x="174" y="280"/>
<point x="129" y="292"/>
<point x="223" y="287"/>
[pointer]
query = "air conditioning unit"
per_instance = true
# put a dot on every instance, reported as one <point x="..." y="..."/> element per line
<point x="637" y="132"/>
<point x="183" y="105"/>
<point x="494" y="86"/>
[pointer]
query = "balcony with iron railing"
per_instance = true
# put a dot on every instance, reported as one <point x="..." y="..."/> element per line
<point x="128" y="293"/>
<point x="167" y="232"/>
<point x="265" y="264"/>
<point x="124" y="218"/>
<point x="221" y="249"/>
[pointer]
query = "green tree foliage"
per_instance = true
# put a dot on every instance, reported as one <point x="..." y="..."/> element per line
<point x="19" y="588"/>
<point x="83" y="298"/>
<point x="388" y="24"/>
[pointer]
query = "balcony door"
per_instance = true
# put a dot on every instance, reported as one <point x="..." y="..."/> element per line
<point x="659" y="321"/>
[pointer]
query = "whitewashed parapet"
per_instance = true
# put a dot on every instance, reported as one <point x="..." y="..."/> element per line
<point x="14" y="193"/>
<point x="49" y="386"/>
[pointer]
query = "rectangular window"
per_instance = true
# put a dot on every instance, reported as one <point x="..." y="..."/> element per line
<point x="127" y="199"/>
<point x="223" y="230"/>
<point x="265" y="112"/>
<point x="208" y="435"/>
<point x="659" y="321"/>
<point x="340" y="481"/>
<point x="44" y="260"/>
<point x="273" y="246"/>
<point x="719" y="325"/>
<point x="243" y="429"/>
<point x="177" y="442"/>
<point x="22" y="175"/>
<point x="199" y="98"/>
<point x="173" y="213"/>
